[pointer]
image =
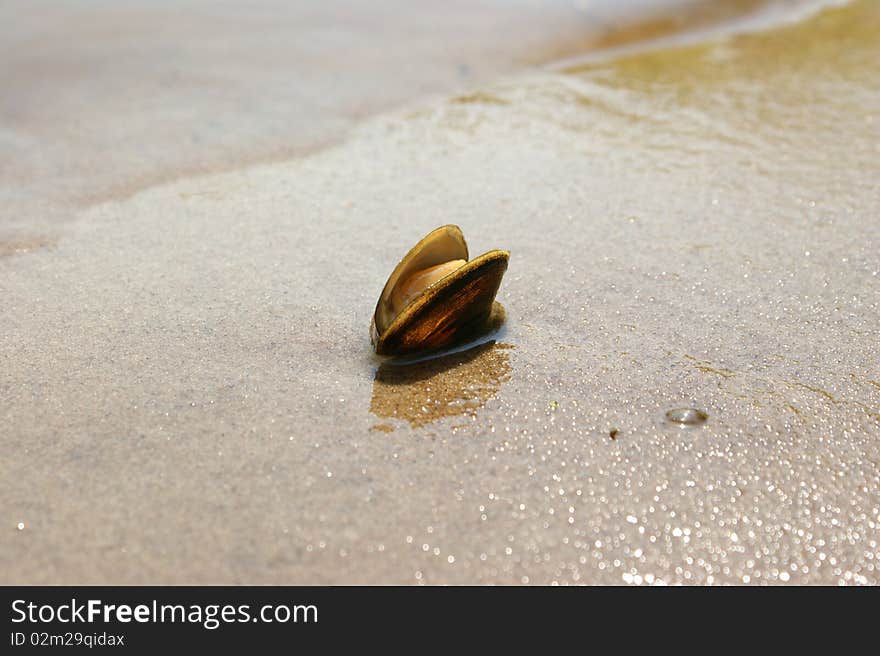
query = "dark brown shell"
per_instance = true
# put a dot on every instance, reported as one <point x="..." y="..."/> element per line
<point x="447" y="312"/>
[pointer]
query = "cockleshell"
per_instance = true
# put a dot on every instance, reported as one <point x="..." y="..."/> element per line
<point x="436" y="297"/>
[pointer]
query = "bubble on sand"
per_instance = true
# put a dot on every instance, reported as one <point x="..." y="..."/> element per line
<point x="687" y="416"/>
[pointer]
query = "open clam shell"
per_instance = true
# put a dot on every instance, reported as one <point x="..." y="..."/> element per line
<point x="436" y="297"/>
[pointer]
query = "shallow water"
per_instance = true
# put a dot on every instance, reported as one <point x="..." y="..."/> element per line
<point x="189" y="392"/>
<point x="103" y="98"/>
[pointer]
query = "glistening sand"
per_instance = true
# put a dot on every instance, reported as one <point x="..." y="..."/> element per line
<point x="188" y="393"/>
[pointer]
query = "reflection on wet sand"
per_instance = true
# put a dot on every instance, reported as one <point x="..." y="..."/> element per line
<point x="452" y="385"/>
<point x="24" y="244"/>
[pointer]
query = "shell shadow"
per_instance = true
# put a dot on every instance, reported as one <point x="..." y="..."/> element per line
<point x="452" y="385"/>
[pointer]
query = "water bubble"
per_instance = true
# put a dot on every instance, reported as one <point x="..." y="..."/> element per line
<point x="687" y="416"/>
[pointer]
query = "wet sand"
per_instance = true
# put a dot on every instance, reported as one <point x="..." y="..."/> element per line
<point x="188" y="393"/>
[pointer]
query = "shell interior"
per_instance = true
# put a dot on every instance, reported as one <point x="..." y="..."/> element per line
<point x="440" y="246"/>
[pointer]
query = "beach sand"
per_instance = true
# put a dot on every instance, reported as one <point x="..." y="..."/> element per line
<point x="188" y="395"/>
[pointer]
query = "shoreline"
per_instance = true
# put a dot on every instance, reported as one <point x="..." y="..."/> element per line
<point x="596" y="34"/>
